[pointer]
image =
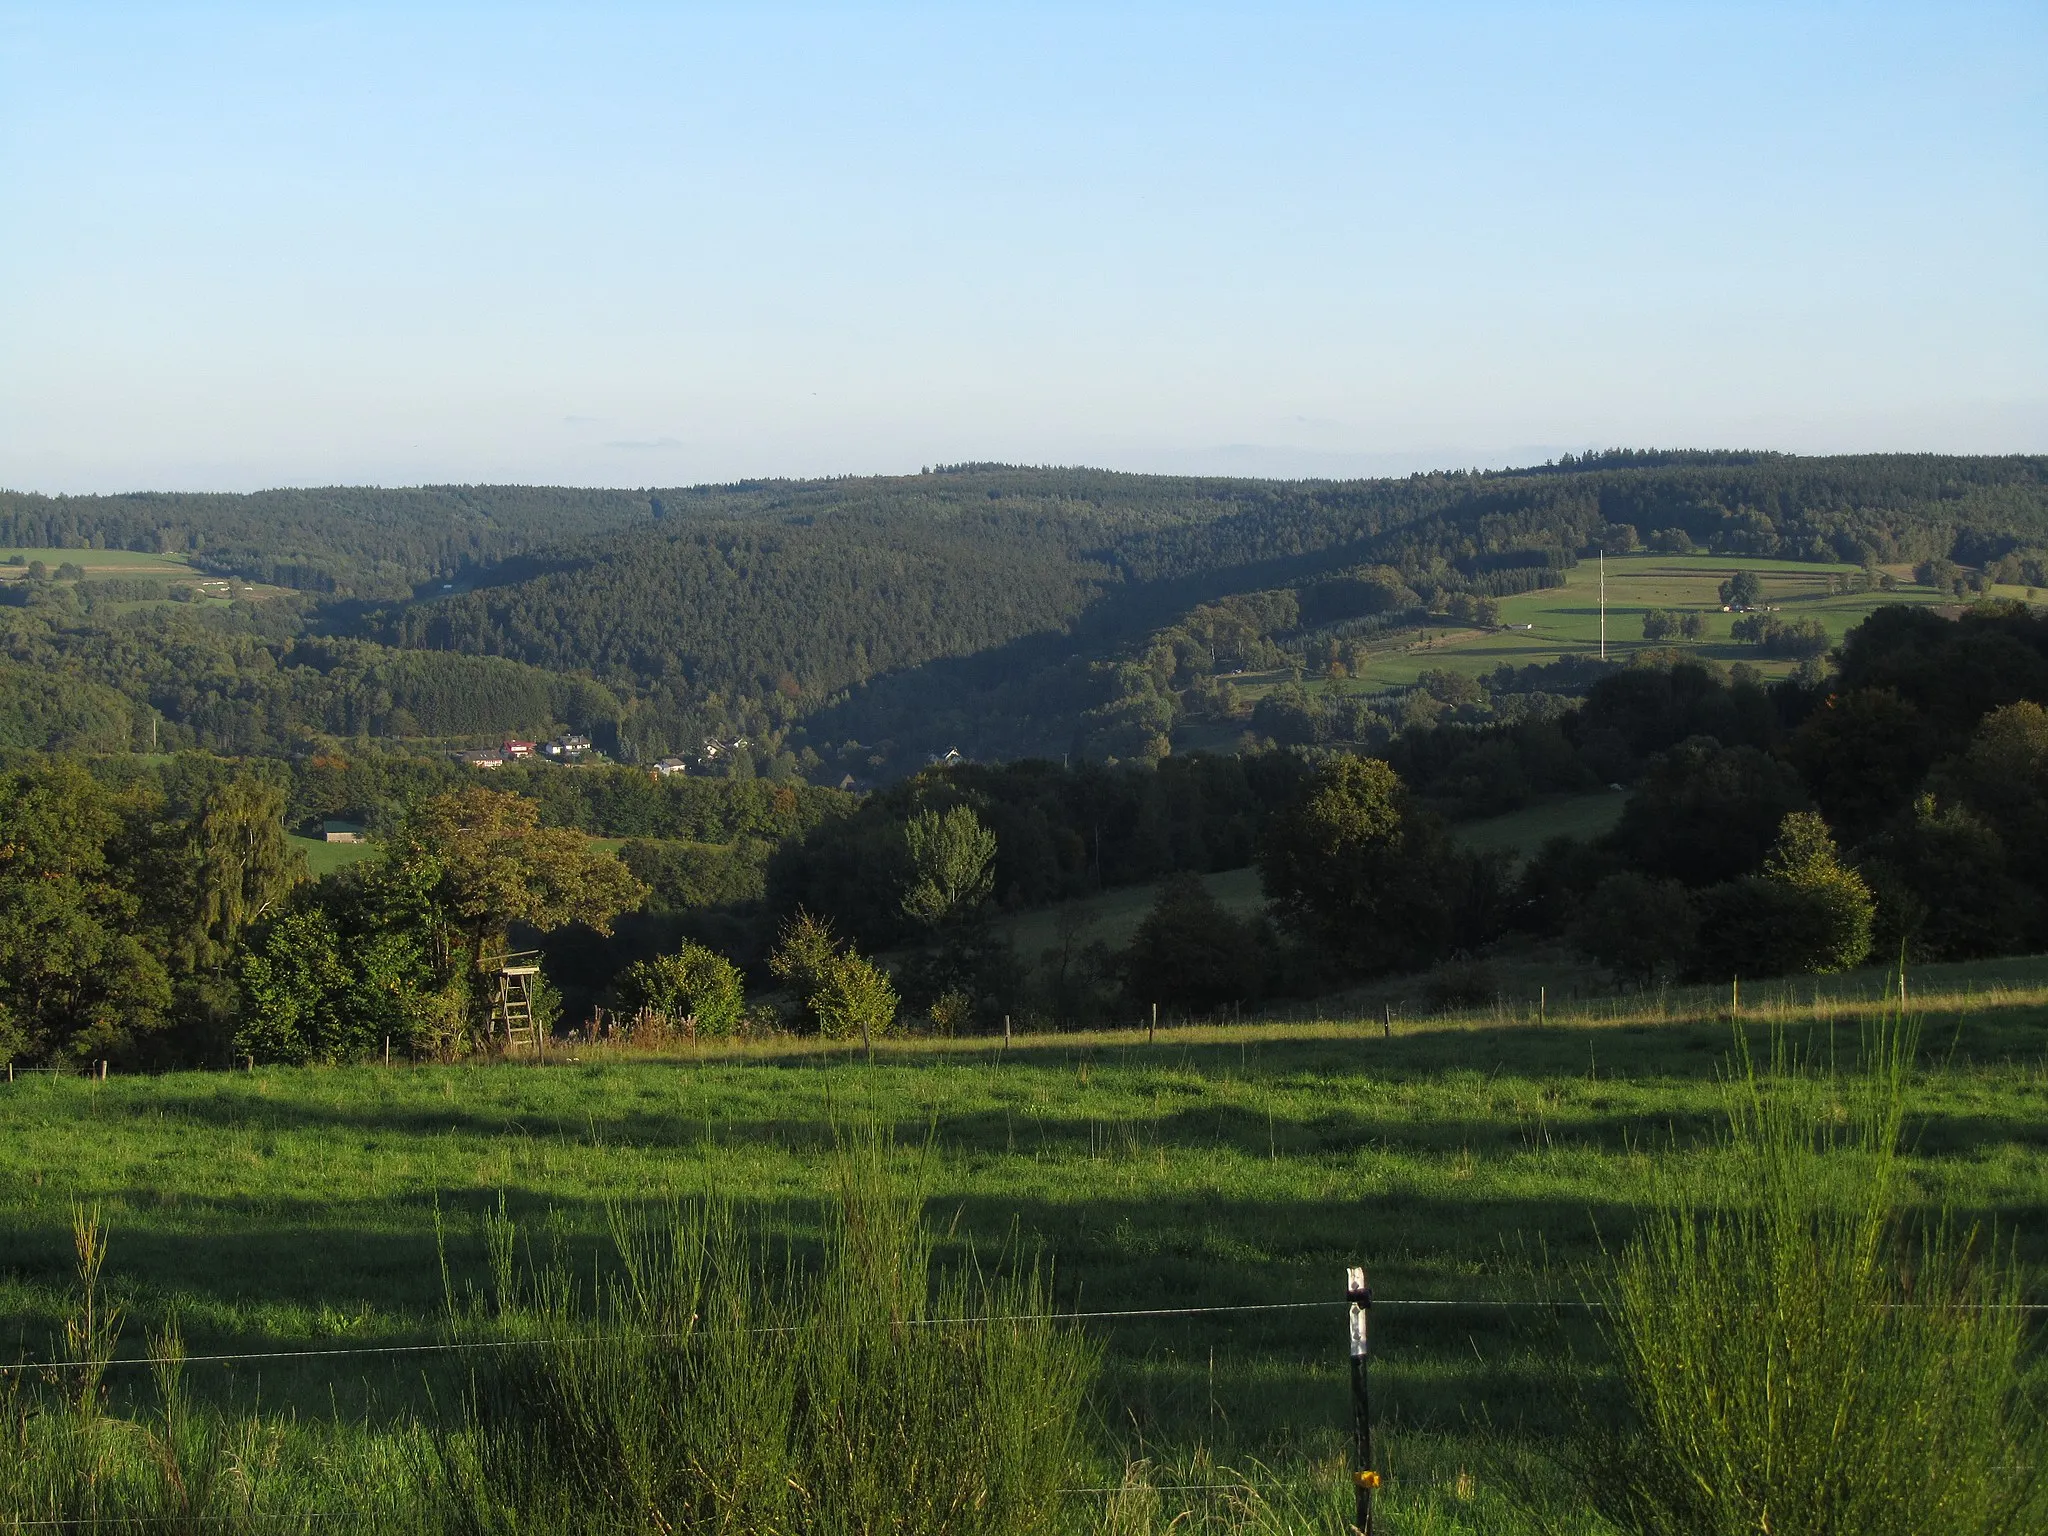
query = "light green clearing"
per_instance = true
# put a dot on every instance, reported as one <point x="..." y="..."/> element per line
<point x="1523" y="832"/>
<point x="324" y="858"/>
<point x="1567" y="618"/>
<point x="98" y="562"/>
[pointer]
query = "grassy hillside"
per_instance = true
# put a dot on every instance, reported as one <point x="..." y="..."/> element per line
<point x="1565" y="620"/>
<point x="97" y="562"/>
<point x="1462" y="1159"/>
<point x="1112" y="916"/>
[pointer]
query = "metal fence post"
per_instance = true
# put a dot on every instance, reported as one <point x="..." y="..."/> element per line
<point x="1365" y="1480"/>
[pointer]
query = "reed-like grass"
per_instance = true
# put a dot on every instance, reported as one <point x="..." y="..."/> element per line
<point x="1800" y="1359"/>
<point x="710" y="1388"/>
<point x="68" y="1464"/>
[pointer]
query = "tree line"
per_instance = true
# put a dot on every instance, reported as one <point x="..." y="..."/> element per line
<point x="151" y="910"/>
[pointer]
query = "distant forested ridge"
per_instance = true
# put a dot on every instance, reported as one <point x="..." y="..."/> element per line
<point x="346" y="540"/>
<point x="857" y="625"/>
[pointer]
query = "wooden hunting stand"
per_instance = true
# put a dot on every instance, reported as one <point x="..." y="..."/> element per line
<point x="512" y="1000"/>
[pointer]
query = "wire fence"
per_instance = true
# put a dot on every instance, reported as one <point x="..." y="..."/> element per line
<point x="457" y="1346"/>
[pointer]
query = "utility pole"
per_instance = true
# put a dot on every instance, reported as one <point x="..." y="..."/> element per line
<point x="1603" y="603"/>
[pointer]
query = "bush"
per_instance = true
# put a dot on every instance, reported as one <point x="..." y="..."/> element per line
<point x="709" y="1387"/>
<point x="1804" y="859"/>
<point x="838" y="993"/>
<point x="853" y="997"/>
<point x="1794" y="1358"/>
<point x="694" y="984"/>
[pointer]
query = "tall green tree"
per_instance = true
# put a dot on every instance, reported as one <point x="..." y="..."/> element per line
<point x="1358" y="872"/>
<point x="1191" y="955"/>
<point x="952" y="865"/>
<point x="1742" y="590"/>
<point x="78" y="980"/>
<point x="494" y="865"/>
<point x="242" y="865"/>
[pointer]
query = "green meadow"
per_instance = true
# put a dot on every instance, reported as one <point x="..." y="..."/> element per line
<point x="324" y="858"/>
<point x="1467" y="1160"/>
<point x="1566" y="620"/>
<point x="97" y="562"/>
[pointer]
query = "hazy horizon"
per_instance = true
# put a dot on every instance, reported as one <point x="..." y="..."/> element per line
<point x="1396" y="467"/>
<point x="628" y="246"/>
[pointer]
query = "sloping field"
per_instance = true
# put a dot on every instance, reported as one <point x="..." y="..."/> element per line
<point x="1566" y="620"/>
<point x="1467" y="1160"/>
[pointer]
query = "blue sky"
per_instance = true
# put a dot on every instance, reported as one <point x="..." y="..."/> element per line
<point x="607" y="244"/>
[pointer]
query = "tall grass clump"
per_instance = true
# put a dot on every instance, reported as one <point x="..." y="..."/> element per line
<point x="1801" y="1358"/>
<point x="707" y="1386"/>
<point x="69" y="1462"/>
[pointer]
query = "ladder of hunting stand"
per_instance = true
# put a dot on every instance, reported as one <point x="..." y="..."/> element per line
<point x="512" y="1007"/>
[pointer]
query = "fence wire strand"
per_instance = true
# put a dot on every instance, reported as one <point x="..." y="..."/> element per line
<point x="455" y="1346"/>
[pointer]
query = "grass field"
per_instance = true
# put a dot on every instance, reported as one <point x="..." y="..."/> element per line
<point x="324" y="858"/>
<point x="1466" y="1159"/>
<point x="1113" y="916"/>
<point x="97" y="562"/>
<point x="1566" y="620"/>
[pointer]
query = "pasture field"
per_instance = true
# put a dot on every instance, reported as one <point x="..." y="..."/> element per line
<point x="1113" y="916"/>
<point x="1566" y="620"/>
<point x="324" y="858"/>
<point x="1469" y="1160"/>
<point x="97" y="562"/>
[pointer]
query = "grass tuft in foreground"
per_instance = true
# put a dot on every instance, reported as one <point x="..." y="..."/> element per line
<point x="1796" y="1355"/>
<point x="709" y="1389"/>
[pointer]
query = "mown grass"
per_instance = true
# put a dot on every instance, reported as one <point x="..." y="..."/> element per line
<point x="1465" y="1158"/>
<point x="324" y="858"/>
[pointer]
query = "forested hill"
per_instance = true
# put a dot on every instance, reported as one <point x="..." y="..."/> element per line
<point x="858" y="623"/>
<point x="764" y="604"/>
<point x="344" y="540"/>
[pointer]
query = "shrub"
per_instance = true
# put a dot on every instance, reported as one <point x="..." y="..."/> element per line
<point x="1794" y="1358"/>
<point x="694" y="983"/>
<point x="1804" y="860"/>
<point x="838" y="992"/>
<point x="853" y="997"/>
